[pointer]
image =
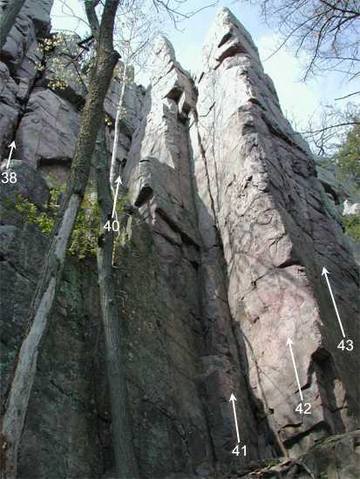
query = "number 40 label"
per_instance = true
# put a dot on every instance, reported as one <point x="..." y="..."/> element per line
<point x="112" y="226"/>
<point x="237" y="451"/>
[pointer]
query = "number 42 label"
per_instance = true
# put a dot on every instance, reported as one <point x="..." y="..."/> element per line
<point x="303" y="408"/>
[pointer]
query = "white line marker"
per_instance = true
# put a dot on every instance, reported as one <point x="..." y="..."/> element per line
<point x="233" y="400"/>
<point x="12" y="147"/>
<point x="325" y="273"/>
<point x="118" y="183"/>
<point x="290" y="343"/>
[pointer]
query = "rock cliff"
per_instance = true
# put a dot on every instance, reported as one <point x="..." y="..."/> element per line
<point x="220" y="266"/>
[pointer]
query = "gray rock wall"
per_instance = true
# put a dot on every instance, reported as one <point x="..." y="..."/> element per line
<point x="167" y="301"/>
<point x="68" y="427"/>
<point x="220" y="264"/>
<point x="18" y="61"/>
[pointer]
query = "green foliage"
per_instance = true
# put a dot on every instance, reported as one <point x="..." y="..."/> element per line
<point x="32" y="215"/>
<point x="121" y="203"/>
<point x="84" y="237"/>
<point x="83" y="242"/>
<point x="272" y="463"/>
<point x="49" y="44"/>
<point x="123" y="238"/>
<point x="348" y="156"/>
<point x="61" y="60"/>
<point x="352" y="226"/>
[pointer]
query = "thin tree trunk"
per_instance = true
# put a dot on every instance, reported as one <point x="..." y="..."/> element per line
<point x="115" y="358"/>
<point x="8" y="17"/>
<point x="117" y="131"/>
<point x="17" y="401"/>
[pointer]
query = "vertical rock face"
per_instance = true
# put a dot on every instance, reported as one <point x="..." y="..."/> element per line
<point x="67" y="432"/>
<point x="170" y="421"/>
<point x="18" y="59"/>
<point x="217" y="268"/>
<point x="256" y="181"/>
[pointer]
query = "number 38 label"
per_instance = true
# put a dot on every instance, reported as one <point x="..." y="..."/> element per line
<point x="8" y="177"/>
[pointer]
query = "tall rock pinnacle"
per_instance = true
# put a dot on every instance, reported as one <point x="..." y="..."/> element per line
<point x="256" y="179"/>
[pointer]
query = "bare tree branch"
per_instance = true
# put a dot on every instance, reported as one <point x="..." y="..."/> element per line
<point x="349" y="95"/>
<point x="327" y="30"/>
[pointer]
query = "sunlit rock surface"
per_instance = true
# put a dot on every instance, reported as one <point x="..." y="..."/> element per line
<point x="256" y="180"/>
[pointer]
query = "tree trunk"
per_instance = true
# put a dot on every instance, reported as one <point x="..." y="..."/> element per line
<point x="115" y="358"/>
<point x="8" y="17"/>
<point x="92" y="115"/>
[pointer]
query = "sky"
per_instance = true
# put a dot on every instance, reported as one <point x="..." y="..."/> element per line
<point x="300" y="101"/>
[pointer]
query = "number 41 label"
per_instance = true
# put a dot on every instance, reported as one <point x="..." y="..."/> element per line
<point x="237" y="451"/>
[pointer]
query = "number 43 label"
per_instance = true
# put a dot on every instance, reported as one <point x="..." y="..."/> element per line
<point x="346" y="345"/>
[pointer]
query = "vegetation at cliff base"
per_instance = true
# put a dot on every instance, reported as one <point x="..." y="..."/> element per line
<point x="31" y="214"/>
<point x="83" y="241"/>
<point x="347" y="163"/>
<point x="348" y="156"/>
<point x="352" y="226"/>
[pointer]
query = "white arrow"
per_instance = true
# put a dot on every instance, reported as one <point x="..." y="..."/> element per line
<point x="118" y="183"/>
<point x="290" y="343"/>
<point x="325" y="273"/>
<point x="233" y="399"/>
<point x="12" y="147"/>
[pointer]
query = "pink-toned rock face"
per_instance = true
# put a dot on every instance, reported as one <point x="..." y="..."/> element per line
<point x="256" y="182"/>
<point x="47" y="132"/>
